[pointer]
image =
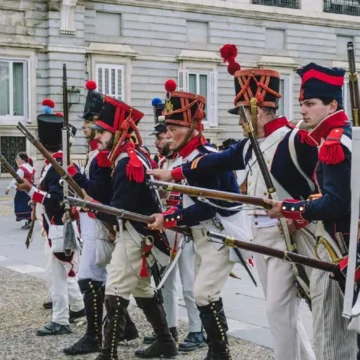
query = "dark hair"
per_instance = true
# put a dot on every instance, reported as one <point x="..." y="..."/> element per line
<point x="24" y="157"/>
<point x="327" y="101"/>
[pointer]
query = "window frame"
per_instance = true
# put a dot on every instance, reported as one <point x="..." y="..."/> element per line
<point x="289" y="91"/>
<point x="212" y="88"/>
<point x="113" y="60"/>
<point x="11" y="119"/>
<point x="111" y="67"/>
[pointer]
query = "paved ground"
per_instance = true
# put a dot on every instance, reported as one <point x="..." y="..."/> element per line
<point x="23" y="290"/>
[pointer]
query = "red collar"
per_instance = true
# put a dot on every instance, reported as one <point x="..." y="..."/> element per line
<point x="322" y="130"/>
<point x="275" y="124"/>
<point x="93" y="144"/>
<point x="192" y="145"/>
<point x="57" y="155"/>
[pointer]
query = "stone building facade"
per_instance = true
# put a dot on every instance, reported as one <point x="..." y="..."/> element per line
<point x="131" y="47"/>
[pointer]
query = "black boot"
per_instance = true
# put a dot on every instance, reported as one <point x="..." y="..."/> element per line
<point x="164" y="345"/>
<point x="214" y="322"/>
<point x="93" y="300"/>
<point x="149" y="339"/>
<point x="130" y="332"/>
<point x="116" y="308"/>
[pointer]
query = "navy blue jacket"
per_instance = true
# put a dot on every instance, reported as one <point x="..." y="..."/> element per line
<point x="333" y="174"/>
<point x="99" y="183"/>
<point x="283" y="168"/>
<point x="200" y="211"/>
<point x="137" y="197"/>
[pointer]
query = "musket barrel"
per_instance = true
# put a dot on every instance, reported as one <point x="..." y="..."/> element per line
<point x="284" y="255"/>
<point x="212" y="194"/>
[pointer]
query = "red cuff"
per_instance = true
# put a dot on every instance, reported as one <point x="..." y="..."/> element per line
<point x="177" y="174"/>
<point x="38" y="196"/>
<point x="293" y="209"/>
<point x="74" y="213"/>
<point x="170" y="220"/>
<point x="72" y="170"/>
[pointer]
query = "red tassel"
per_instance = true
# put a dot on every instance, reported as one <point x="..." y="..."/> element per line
<point x="331" y="153"/>
<point x="175" y="249"/>
<point x="144" y="272"/>
<point x="306" y="138"/>
<point x="135" y="169"/>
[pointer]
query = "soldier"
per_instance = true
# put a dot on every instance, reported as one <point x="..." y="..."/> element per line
<point x="282" y="146"/>
<point x="185" y="266"/>
<point x="184" y="113"/>
<point x="135" y="244"/>
<point x="96" y="181"/>
<point x="321" y="106"/>
<point x="62" y="267"/>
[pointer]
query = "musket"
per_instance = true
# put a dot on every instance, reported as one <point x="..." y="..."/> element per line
<point x="19" y="180"/>
<point x="350" y="309"/>
<point x="69" y="233"/>
<point x="63" y="173"/>
<point x="353" y="84"/>
<point x="211" y="194"/>
<point x="184" y="230"/>
<point x="286" y="256"/>
<point x="121" y="213"/>
<point x="301" y="279"/>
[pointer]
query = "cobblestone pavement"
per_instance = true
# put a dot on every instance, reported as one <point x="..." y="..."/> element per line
<point x="21" y="313"/>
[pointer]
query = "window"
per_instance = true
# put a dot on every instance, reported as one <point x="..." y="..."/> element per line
<point x="10" y="146"/>
<point x="345" y="7"/>
<point x="286" y="91"/>
<point x="13" y="89"/>
<point x="110" y="80"/>
<point x="197" y="32"/>
<point x="203" y="83"/>
<point x="294" y="4"/>
<point x="108" y="24"/>
<point x="275" y="39"/>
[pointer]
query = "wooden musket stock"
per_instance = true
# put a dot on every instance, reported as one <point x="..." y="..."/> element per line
<point x="211" y="194"/>
<point x="353" y="83"/>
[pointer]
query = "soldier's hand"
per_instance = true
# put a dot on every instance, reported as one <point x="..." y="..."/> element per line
<point x="161" y="174"/>
<point x="158" y="223"/>
<point x="25" y="186"/>
<point x="291" y="225"/>
<point x="275" y="211"/>
<point x="7" y="190"/>
<point x="86" y="196"/>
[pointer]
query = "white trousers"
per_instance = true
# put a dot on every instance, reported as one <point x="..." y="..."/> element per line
<point x="88" y="268"/>
<point x="185" y="267"/>
<point x="282" y="301"/>
<point x="212" y="268"/>
<point x="65" y="291"/>
<point x="124" y="270"/>
<point x="332" y="340"/>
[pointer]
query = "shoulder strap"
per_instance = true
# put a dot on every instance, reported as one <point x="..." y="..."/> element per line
<point x="294" y="159"/>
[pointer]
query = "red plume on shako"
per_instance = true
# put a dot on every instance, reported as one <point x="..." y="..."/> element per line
<point x="229" y="52"/>
<point x="91" y="85"/>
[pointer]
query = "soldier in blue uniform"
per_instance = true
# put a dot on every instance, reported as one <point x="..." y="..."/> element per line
<point x="283" y="147"/>
<point x="63" y="267"/>
<point x="185" y="263"/>
<point x="321" y="106"/>
<point x="136" y="246"/>
<point x="184" y="113"/>
<point x="96" y="181"/>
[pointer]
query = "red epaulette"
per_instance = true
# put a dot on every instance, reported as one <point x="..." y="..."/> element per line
<point x="134" y="168"/>
<point x="331" y="151"/>
<point x="102" y="159"/>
